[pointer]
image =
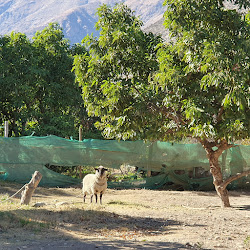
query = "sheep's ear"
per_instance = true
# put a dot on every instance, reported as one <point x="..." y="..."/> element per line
<point x="96" y="169"/>
<point x="105" y="169"/>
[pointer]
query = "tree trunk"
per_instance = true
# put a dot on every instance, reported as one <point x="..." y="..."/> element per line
<point x="218" y="179"/>
<point x="30" y="188"/>
<point x="213" y="157"/>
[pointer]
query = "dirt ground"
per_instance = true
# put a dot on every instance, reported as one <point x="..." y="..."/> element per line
<point x="128" y="219"/>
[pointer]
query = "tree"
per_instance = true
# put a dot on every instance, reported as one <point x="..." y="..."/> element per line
<point x="16" y="81"/>
<point x="38" y="92"/>
<point x="196" y="86"/>
<point x="205" y="75"/>
<point x="80" y="114"/>
<point x="115" y="74"/>
<point x="56" y="92"/>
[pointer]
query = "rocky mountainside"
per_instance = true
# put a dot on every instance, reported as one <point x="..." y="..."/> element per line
<point x="76" y="17"/>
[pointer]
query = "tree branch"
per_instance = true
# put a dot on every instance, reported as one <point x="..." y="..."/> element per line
<point x="168" y="112"/>
<point x="233" y="178"/>
<point x="219" y="116"/>
<point x="206" y="143"/>
<point x="223" y="145"/>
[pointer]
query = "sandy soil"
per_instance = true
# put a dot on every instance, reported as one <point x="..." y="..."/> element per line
<point x="133" y="219"/>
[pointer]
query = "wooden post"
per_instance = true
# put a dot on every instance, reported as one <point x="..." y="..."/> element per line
<point x="150" y="155"/>
<point x="6" y="129"/>
<point x="30" y="188"/>
<point x="80" y="133"/>
<point x="80" y="172"/>
<point x="148" y="173"/>
<point x="80" y="139"/>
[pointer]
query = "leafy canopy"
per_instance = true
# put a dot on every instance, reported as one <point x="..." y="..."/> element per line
<point x="16" y="80"/>
<point x="207" y="68"/>
<point x="38" y="92"/>
<point x="143" y="88"/>
<point x="115" y="74"/>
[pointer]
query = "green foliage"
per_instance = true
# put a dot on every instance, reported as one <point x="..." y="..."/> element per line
<point x="72" y="171"/>
<point x="56" y="94"/>
<point x="38" y="92"/>
<point x="207" y="67"/>
<point x="116" y="74"/>
<point x="198" y="85"/>
<point x="129" y="175"/>
<point x="16" y="80"/>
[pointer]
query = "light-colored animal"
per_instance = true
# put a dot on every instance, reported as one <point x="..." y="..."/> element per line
<point x="94" y="184"/>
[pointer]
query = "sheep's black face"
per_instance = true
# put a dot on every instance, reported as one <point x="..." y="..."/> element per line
<point x="101" y="171"/>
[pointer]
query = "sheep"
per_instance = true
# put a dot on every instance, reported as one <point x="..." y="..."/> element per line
<point x="95" y="183"/>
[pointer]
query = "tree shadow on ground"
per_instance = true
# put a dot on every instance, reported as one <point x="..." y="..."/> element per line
<point x="244" y="207"/>
<point x="11" y="188"/>
<point x="239" y="193"/>
<point x="110" y="230"/>
<point x="71" y="244"/>
<point x="56" y="192"/>
<point x="205" y="193"/>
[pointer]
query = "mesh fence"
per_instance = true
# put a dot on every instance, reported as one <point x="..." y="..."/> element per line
<point x="180" y="164"/>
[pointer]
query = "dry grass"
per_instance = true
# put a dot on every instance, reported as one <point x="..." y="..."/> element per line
<point x="140" y="218"/>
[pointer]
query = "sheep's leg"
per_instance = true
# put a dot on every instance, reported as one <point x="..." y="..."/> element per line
<point x="100" y="198"/>
<point x="95" y="198"/>
<point x="84" y="197"/>
<point x="91" y="198"/>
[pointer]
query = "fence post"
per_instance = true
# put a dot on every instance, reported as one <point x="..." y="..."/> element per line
<point x="6" y="129"/>
<point x="80" y="139"/>
<point x="150" y="154"/>
<point x="80" y="133"/>
<point x="30" y="188"/>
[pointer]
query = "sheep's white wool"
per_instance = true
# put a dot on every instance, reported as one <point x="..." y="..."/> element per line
<point x="95" y="184"/>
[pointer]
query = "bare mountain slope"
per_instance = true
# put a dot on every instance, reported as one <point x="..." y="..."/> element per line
<point x="77" y="17"/>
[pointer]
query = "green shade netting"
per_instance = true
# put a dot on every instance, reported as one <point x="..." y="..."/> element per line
<point x="182" y="164"/>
